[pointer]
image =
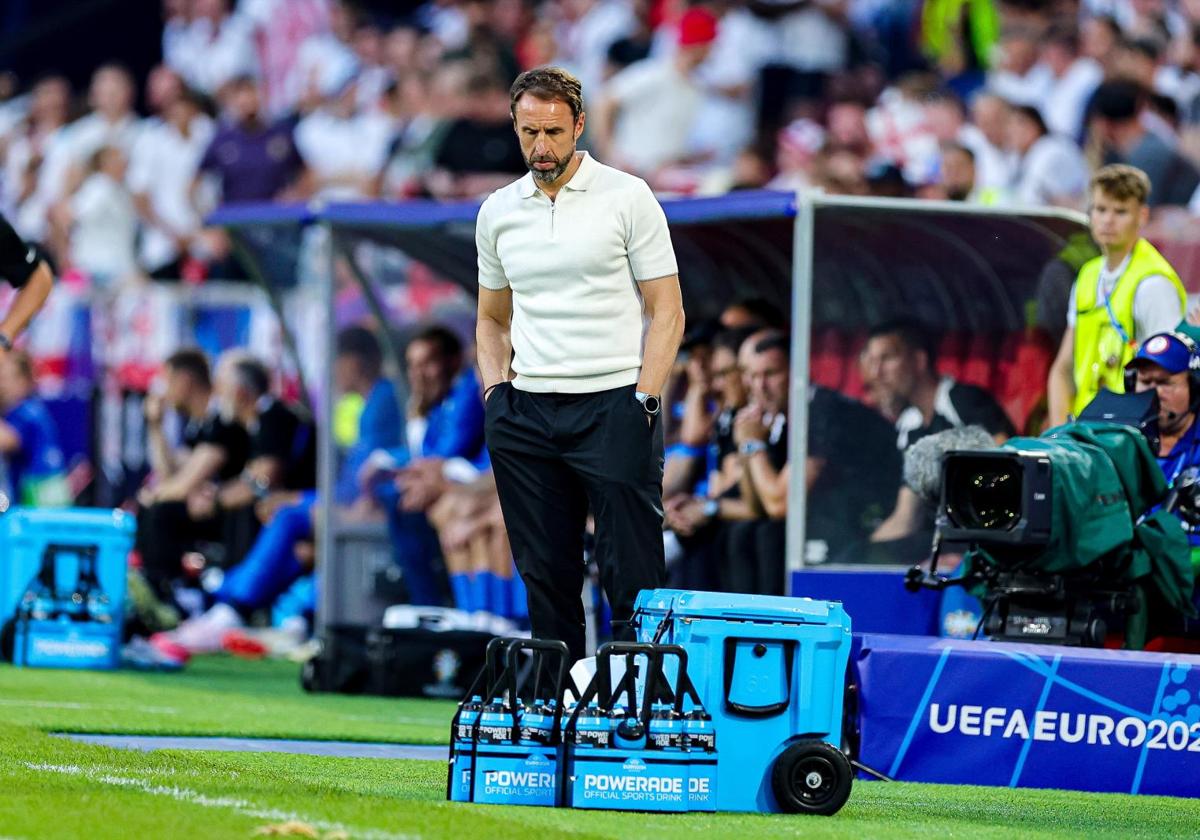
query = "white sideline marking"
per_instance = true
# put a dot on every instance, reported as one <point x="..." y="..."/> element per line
<point x="192" y="797"/>
<point x="57" y="704"/>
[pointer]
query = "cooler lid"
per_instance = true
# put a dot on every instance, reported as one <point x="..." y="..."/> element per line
<point x="725" y="605"/>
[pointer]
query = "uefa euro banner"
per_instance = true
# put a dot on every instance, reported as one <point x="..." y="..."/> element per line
<point x="990" y="713"/>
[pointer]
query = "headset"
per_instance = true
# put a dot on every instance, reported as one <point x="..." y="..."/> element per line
<point x="1193" y="370"/>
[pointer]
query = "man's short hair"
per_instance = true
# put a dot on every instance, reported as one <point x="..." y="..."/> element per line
<point x="1117" y="100"/>
<point x="762" y="311"/>
<point x="361" y="344"/>
<point x="252" y="375"/>
<point x="911" y="332"/>
<point x="548" y="84"/>
<point x="1122" y="182"/>
<point x="948" y="146"/>
<point x="733" y="339"/>
<point x="1031" y="113"/>
<point x="193" y="362"/>
<point x="776" y="341"/>
<point x="448" y="345"/>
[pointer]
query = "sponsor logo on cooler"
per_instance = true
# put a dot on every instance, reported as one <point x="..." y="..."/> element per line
<point x="1068" y="727"/>
<point x="72" y="648"/>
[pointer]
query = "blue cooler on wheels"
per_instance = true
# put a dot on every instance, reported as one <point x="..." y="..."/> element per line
<point x="771" y="672"/>
<point x="62" y="585"/>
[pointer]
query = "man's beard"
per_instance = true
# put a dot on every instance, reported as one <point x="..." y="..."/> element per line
<point x="549" y="176"/>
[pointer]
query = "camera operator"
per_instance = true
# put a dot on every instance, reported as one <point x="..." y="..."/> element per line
<point x="1169" y="363"/>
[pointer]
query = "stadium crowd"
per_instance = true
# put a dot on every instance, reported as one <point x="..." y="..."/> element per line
<point x="266" y="100"/>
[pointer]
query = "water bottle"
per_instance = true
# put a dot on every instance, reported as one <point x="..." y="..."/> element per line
<point x="495" y="724"/>
<point x="468" y="717"/>
<point x="698" y="731"/>
<point x="39" y="602"/>
<point x="96" y="603"/>
<point x="537" y="724"/>
<point x="629" y="733"/>
<point x="666" y="728"/>
<point x="593" y="728"/>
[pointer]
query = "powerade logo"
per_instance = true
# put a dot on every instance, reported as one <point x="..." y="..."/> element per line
<point x="70" y="648"/>
<point x="533" y="779"/>
<point x="633" y="785"/>
<point x="1067" y="727"/>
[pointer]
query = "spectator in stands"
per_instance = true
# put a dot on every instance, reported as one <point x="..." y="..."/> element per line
<point x="1074" y="79"/>
<point x="343" y="149"/>
<point x="479" y="151"/>
<point x="646" y="112"/>
<point x="588" y="29"/>
<point x="252" y="158"/>
<point x="100" y="222"/>
<point x="444" y="447"/>
<point x="162" y="167"/>
<point x="282" y="456"/>
<point x="900" y="374"/>
<point x="1117" y="109"/>
<point x="988" y="139"/>
<point x="1119" y="299"/>
<point x="112" y="122"/>
<point x="213" y="45"/>
<point x="280" y="28"/>
<point x="43" y="129"/>
<point x="957" y="173"/>
<point x="29" y="439"/>
<point x="327" y="49"/>
<point x="213" y="448"/>
<point x="275" y="561"/>
<point x="1020" y="79"/>
<point x="1049" y="170"/>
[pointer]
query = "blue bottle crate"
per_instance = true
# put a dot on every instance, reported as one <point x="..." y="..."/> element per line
<point x="25" y="533"/>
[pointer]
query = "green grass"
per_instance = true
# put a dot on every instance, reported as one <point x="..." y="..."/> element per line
<point x="56" y="788"/>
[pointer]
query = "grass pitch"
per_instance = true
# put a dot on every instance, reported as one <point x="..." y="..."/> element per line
<point x="54" y="788"/>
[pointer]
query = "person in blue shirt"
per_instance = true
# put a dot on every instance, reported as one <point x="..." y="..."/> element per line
<point x="444" y="445"/>
<point x="1169" y="363"/>
<point x="273" y="564"/>
<point x="29" y="439"/>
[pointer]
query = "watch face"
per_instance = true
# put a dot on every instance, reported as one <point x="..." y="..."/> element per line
<point x="652" y="405"/>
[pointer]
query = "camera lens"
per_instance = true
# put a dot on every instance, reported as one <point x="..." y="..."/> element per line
<point x="986" y="498"/>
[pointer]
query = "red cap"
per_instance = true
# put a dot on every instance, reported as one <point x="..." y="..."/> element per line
<point x="697" y="26"/>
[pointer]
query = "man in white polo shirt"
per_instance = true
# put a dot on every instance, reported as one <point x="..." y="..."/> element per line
<point x="572" y="258"/>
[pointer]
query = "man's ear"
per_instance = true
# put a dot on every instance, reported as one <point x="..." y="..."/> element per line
<point x="579" y="123"/>
<point x="1144" y="215"/>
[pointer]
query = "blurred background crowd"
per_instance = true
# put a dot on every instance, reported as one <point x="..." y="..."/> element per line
<point x="1003" y="103"/>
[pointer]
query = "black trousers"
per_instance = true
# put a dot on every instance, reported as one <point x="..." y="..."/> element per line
<point x="555" y="456"/>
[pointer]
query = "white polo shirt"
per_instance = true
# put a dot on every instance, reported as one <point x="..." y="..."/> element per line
<point x="573" y="265"/>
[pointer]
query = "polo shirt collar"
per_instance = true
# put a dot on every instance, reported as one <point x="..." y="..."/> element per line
<point x="581" y="180"/>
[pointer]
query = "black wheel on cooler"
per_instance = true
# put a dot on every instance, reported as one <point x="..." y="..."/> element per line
<point x="811" y="777"/>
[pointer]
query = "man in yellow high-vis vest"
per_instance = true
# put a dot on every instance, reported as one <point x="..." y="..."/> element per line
<point x="1120" y="298"/>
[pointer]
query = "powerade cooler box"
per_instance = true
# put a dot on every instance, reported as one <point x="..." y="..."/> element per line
<point x="659" y="755"/>
<point x="505" y="750"/>
<point x="62" y="586"/>
<point x="771" y="671"/>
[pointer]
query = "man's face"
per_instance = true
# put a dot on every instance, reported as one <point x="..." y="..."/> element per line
<point x="547" y="134"/>
<point x="244" y="101"/>
<point x="889" y="369"/>
<point x="1173" y="393"/>
<point x="429" y="373"/>
<point x="1116" y="222"/>
<point x="767" y="375"/>
<point x="178" y="388"/>
<point x="726" y="377"/>
<point x="958" y="174"/>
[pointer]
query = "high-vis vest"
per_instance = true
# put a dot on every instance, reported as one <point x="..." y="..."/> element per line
<point x="1104" y="329"/>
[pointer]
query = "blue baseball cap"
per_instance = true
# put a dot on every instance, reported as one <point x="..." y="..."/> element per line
<point x="1168" y="350"/>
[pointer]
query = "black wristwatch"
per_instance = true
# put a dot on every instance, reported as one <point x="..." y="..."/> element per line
<point x="650" y="403"/>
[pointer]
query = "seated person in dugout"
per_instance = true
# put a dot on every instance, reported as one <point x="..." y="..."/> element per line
<point x="283" y="551"/>
<point x="282" y="456"/>
<point x="213" y="447"/>
<point x="851" y="475"/>
<point x="899" y="365"/>
<point x="444" y="448"/>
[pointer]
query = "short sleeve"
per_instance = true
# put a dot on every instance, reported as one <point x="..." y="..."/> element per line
<point x="276" y="434"/>
<point x="491" y="272"/>
<point x="17" y="260"/>
<point x="1156" y="307"/>
<point x="1071" y="307"/>
<point x="648" y="239"/>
